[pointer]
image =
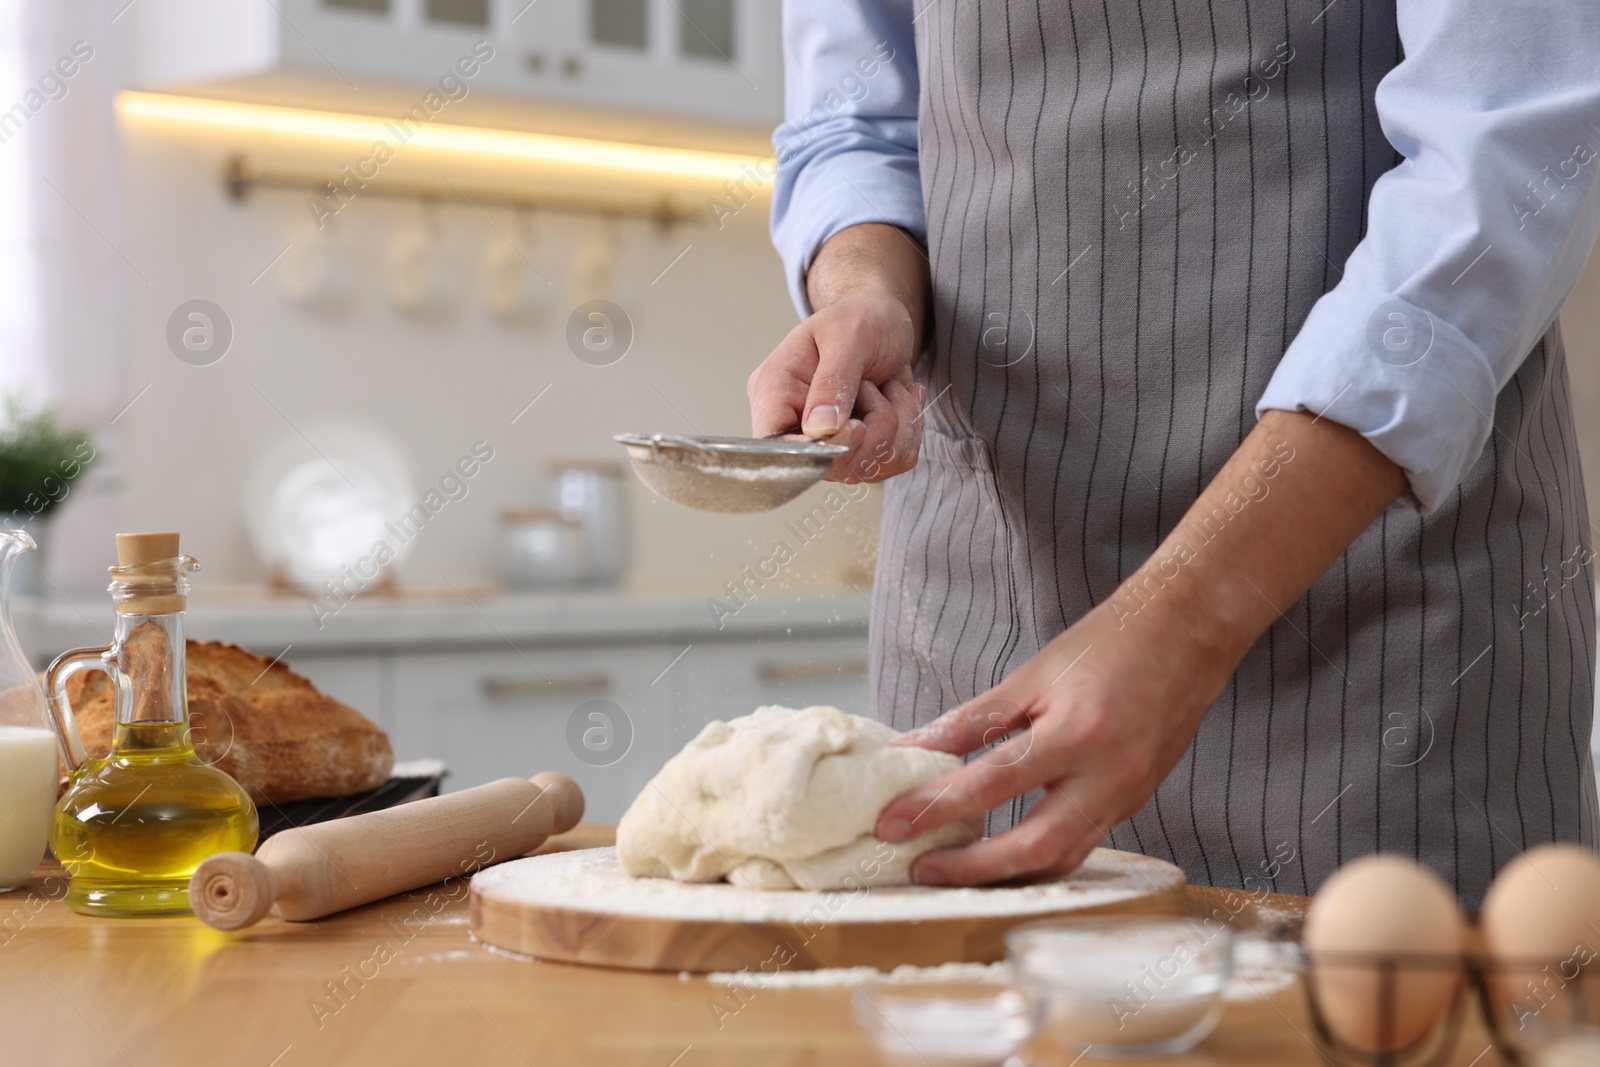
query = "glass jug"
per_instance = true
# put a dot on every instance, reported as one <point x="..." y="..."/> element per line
<point x="27" y="744"/>
<point x="135" y="823"/>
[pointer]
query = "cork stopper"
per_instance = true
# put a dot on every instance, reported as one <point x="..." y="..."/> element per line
<point x="154" y="591"/>
<point x="136" y="548"/>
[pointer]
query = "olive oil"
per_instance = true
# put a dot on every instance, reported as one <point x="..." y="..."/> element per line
<point x="134" y="825"/>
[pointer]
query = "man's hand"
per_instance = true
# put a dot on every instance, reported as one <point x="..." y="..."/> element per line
<point x="1105" y="711"/>
<point x="845" y="372"/>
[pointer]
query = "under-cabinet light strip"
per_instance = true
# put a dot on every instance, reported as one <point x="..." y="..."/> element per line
<point x="472" y="140"/>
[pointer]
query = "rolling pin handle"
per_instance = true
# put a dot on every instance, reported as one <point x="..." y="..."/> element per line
<point x="231" y="890"/>
<point x="566" y="795"/>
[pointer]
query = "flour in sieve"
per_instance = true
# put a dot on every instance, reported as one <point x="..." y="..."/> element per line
<point x="775" y="473"/>
<point x="592" y="880"/>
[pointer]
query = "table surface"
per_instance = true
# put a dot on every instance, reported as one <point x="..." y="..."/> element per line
<point x="402" y="982"/>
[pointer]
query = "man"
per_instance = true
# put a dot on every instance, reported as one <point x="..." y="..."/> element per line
<point x="1238" y="474"/>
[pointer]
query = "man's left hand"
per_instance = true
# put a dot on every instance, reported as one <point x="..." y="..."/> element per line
<point x="1101" y="714"/>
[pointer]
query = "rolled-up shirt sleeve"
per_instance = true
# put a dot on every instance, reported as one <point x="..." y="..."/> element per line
<point x="1473" y="240"/>
<point x="847" y="149"/>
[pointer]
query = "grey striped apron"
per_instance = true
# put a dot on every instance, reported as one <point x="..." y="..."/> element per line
<point x="1121" y="253"/>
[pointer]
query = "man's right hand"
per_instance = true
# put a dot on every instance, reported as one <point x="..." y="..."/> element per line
<point x="845" y="372"/>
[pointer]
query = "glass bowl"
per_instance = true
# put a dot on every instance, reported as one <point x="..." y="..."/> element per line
<point x="1148" y="986"/>
<point x="1536" y="1003"/>
<point x="946" y="1024"/>
<point x="1580" y="1046"/>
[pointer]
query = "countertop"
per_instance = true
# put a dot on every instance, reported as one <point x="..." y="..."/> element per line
<point x="173" y="992"/>
<point x="459" y="616"/>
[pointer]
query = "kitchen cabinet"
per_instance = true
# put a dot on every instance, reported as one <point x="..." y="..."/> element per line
<point x="738" y="677"/>
<point x="601" y="715"/>
<point x="362" y="682"/>
<point x="609" y="716"/>
<point x="711" y="58"/>
<point x="697" y="59"/>
<point x="520" y="683"/>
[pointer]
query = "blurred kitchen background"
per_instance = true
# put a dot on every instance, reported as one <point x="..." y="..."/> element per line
<point x="276" y="370"/>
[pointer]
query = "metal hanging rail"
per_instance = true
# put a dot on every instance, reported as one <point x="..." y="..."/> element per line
<point x="241" y="176"/>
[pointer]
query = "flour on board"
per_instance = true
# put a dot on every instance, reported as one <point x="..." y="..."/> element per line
<point x="592" y="880"/>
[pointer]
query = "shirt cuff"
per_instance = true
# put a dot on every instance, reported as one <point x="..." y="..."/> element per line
<point x="1407" y="381"/>
<point x="842" y="190"/>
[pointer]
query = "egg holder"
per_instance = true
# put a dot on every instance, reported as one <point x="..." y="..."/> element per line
<point x="1578" y="995"/>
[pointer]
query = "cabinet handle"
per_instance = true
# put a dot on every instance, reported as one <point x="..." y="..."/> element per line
<point x="534" y="61"/>
<point x="572" y="66"/>
<point x="523" y="688"/>
<point x="781" y="673"/>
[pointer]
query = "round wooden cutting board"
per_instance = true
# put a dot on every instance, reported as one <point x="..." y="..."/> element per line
<point x="581" y="907"/>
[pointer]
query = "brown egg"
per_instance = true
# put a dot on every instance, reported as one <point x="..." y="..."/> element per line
<point x="1375" y="907"/>
<point x="1541" y="932"/>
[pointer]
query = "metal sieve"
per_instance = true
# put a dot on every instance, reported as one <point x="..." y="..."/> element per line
<point x="728" y="475"/>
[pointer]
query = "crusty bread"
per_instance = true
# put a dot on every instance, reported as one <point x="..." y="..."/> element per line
<point x="260" y="722"/>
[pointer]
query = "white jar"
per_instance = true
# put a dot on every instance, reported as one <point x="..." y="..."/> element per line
<point x="541" y="549"/>
<point x="593" y="493"/>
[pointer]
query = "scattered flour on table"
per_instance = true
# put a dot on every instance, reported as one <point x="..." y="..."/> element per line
<point x="441" y="957"/>
<point x="1276" y="922"/>
<point x="850" y="976"/>
<point x="457" y="918"/>
<point x="593" y="880"/>
<point x="1261" y="968"/>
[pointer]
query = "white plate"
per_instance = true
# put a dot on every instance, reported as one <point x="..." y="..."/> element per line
<point x="320" y="500"/>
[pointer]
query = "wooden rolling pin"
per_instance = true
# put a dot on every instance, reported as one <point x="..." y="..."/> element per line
<point x="316" y="870"/>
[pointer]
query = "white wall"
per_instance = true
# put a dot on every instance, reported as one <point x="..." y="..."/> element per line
<point x="185" y="449"/>
<point x="149" y="228"/>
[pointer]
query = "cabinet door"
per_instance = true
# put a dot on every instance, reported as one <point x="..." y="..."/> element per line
<point x="408" y="42"/>
<point x="719" y="59"/>
<point x="356" y="680"/>
<point x="737" y="677"/>
<point x="602" y="716"/>
<point x="712" y="58"/>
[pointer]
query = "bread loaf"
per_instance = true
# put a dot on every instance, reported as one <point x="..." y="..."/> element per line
<point x="258" y="721"/>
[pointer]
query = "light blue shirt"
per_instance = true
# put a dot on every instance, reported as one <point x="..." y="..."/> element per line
<point x="1473" y="241"/>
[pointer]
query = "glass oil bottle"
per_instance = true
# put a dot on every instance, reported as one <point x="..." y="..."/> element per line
<point x="134" y="824"/>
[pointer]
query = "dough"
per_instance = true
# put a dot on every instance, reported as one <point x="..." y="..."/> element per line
<point x="782" y="799"/>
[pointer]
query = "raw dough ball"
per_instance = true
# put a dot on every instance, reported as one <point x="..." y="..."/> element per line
<point x="782" y="799"/>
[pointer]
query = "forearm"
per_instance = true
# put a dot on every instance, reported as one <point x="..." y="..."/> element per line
<point x="872" y="257"/>
<point x="1105" y="711"/>
<point x="1288" y="502"/>
<point x="1471" y="242"/>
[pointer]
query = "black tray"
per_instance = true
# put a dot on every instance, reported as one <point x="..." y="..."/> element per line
<point x="276" y="818"/>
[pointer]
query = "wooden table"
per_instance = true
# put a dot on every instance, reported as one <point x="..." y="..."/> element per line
<point x="400" y="982"/>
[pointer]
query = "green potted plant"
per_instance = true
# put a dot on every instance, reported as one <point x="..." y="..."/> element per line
<point x="39" y="462"/>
